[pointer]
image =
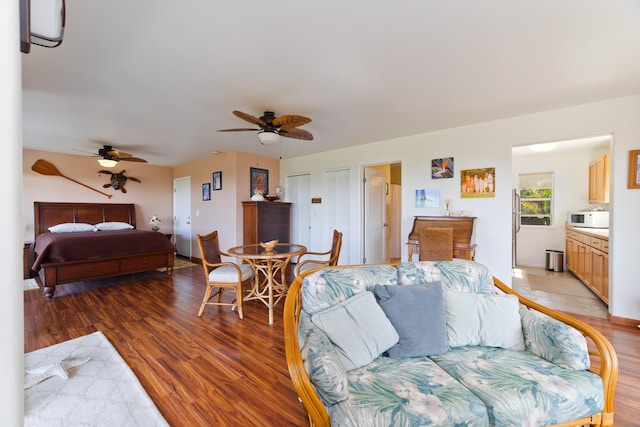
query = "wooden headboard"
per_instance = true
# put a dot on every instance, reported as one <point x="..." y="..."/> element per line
<point x="47" y="214"/>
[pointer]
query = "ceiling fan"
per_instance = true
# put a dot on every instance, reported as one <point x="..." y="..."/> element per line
<point x="270" y="127"/>
<point x="110" y="157"/>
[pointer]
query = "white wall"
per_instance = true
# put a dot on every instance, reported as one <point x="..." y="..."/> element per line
<point x="489" y="145"/>
<point x="11" y="303"/>
<point x="571" y="192"/>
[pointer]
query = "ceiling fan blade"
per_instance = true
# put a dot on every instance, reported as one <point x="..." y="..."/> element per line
<point x="132" y="159"/>
<point x="118" y="154"/>
<point x="290" y="121"/>
<point x="236" y="130"/>
<point x="296" y="134"/>
<point x="249" y="118"/>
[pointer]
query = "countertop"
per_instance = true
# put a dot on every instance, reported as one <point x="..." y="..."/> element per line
<point x="597" y="232"/>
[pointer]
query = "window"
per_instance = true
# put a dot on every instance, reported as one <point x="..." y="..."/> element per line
<point x="536" y="199"/>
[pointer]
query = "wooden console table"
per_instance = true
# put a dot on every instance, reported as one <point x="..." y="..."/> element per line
<point x="462" y="234"/>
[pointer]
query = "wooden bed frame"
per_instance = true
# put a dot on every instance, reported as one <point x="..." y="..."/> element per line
<point x="47" y="214"/>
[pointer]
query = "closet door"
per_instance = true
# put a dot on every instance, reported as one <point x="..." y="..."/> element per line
<point x="298" y="191"/>
<point x="337" y="210"/>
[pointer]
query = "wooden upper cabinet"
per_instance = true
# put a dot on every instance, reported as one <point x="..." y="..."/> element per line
<point x="265" y="221"/>
<point x="599" y="180"/>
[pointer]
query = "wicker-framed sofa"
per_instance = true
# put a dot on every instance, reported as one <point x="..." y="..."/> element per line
<point x="564" y="375"/>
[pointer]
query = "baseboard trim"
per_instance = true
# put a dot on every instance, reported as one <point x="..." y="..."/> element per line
<point x="624" y="321"/>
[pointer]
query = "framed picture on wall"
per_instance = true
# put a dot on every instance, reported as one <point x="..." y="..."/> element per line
<point x="217" y="180"/>
<point x="634" y="169"/>
<point x="206" y="191"/>
<point x="478" y="183"/>
<point x="259" y="181"/>
<point x="442" y="168"/>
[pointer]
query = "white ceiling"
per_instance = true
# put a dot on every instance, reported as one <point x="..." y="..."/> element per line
<point x="158" y="78"/>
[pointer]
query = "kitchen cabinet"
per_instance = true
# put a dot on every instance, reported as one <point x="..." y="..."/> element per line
<point x="588" y="259"/>
<point x="599" y="180"/>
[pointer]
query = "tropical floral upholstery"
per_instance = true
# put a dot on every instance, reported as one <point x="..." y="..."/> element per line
<point x="520" y="389"/>
<point x="457" y="275"/>
<point x="407" y="392"/>
<point x="542" y="335"/>
<point x="466" y="386"/>
<point x="331" y="286"/>
<point x="322" y="362"/>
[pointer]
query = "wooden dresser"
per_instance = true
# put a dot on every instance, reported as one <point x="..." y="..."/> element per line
<point x="264" y="221"/>
<point x="462" y="234"/>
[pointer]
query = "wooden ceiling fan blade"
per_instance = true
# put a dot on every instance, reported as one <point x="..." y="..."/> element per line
<point x="236" y="130"/>
<point x="119" y="154"/>
<point x="297" y="134"/>
<point x="290" y="121"/>
<point x="133" y="159"/>
<point x="249" y="118"/>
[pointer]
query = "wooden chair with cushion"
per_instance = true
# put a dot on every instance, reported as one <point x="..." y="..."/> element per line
<point x="333" y="254"/>
<point x="223" y="276"/>
<point x="436" y="243"/>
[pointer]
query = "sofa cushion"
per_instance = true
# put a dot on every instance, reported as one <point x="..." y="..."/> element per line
<point x="457" y="275"/>
<point x="359" y="329"/>
<point x="489" y="320"/>
<point x="521" y="389"/>
<point x="407" y="392"/>
<point x="329" y="286"/>
<point x="554" y="341"/>
<point x="325" y="369"/>
<point x="417" y="314"/>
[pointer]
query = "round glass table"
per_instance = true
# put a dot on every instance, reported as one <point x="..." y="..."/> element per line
<point x="267" y="263"/>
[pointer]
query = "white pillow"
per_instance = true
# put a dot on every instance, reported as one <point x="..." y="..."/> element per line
<point x="104" y="226"/>
<point x="488" y="320"/>
<point x="358" y="328"/>
<point x="72" y="227"/>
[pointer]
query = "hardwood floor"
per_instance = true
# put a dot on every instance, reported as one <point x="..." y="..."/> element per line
<point x="217" y="369"/>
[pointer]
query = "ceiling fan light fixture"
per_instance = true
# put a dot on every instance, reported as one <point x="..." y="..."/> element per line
<point x="107" y="163"/>
<point x="268" y="138"/>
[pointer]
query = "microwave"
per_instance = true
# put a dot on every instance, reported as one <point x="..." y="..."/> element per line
<point x="591" y="219"/>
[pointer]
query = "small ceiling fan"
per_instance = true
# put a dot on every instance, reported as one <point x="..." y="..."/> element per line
<point x="108" y="153"/>
<point x="270" y="126"/>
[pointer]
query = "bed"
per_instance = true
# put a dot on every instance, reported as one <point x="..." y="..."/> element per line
<point x="79" y="256"/>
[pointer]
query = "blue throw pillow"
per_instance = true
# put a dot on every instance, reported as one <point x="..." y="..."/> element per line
<point x="417" y="313"/>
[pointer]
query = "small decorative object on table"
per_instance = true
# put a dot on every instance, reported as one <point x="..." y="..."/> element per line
<point x="271" y="197"/>
<point x="268" y="246"/>
<point x="154" y="221"/>
<point x="447" y="212"/>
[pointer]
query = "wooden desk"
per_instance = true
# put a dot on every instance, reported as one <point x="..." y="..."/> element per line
<point x="462" y="234"/>
<point x="267" y="288"/>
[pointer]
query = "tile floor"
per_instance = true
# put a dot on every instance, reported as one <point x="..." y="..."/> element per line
<point x="586" y="303"/>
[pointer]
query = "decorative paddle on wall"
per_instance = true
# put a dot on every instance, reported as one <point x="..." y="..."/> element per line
<point x="45" y="168"/>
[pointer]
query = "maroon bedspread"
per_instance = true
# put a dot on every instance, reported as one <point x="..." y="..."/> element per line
<point x="62" y="247"/>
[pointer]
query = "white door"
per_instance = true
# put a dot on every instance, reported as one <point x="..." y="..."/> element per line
<point x="337" y="212"/>
<point x="182" y="215"/>
<point x="374" y="217"/>
<point x="297" y="190"/>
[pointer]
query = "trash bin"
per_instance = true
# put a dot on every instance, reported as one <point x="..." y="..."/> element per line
<point x="554" y="260"/>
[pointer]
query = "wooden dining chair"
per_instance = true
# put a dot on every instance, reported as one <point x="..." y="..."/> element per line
<point x="333" y="255"/>
<point x="221" y="276"/>
<point x="436" y="243"/>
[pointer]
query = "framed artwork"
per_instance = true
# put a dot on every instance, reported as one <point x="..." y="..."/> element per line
<point x="442" y="168"/>
<point x="206" y="191"/>
<point x="634" y="169"/>
<point x="259" y="181"/>
<point x="217" y="180"/>
<point x="429" y="198"/>
<point x="478" y="183"/>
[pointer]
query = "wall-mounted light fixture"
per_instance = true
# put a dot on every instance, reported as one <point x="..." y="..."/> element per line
<point x="41" y="23"/>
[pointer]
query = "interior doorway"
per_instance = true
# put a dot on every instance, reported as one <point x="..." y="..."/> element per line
<point x="382" y="213"/>
<point x="182" y="215"/>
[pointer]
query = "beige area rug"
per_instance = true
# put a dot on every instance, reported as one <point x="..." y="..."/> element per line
<point x="180" y="263"/>
<point x="559" y="285"/>
<point x="30" y="284"/>
<point x="100" y="391"/>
